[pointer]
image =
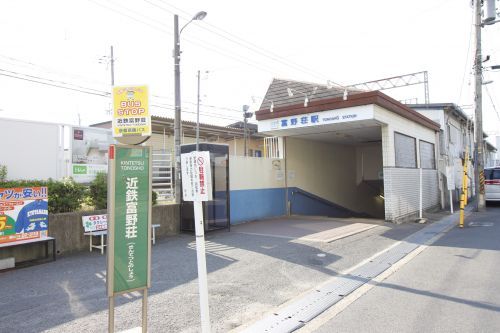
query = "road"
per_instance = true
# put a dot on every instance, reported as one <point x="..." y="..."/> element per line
<point x="251" y="270"/>
<point x="452" y="286"/>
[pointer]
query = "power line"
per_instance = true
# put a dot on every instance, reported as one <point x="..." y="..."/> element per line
<point x="492" y="102"/>
<point x="208" y="47"/>
<point x="248" y="45"/>
<point x="54" y="85"/>
<point x="467" y="58"/>
<point x="28" y="64"/>
<point x="50" y="80"/>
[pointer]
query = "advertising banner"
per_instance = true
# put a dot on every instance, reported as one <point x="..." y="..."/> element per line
<point x="196" y="176"/>
<point x="130" y="222"/>
<point x="93" y="223"/>
<point x="131" y="112"/>
<point x="23" y="213"/>
<point x="89" y="152"/>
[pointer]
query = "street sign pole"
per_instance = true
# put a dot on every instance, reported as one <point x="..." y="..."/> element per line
<point x="197" y="187"/>
<point x="202" y="265"/>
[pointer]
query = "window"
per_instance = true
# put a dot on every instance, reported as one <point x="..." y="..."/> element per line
<point x="427" y="157"/>
<point x="406" y="151"/>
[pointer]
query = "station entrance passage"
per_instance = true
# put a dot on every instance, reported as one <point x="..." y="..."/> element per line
<point x="336" y="170"/>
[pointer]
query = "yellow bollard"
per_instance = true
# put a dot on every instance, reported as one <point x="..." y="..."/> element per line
<point x="462" y="201"/>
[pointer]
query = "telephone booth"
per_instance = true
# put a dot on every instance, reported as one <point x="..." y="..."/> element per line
<point x="216" y="212"/>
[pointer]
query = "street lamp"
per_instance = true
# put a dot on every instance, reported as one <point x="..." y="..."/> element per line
<point x="177" y="121"/>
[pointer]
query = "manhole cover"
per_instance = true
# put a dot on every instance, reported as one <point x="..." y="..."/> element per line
<point x="480" y="224"/>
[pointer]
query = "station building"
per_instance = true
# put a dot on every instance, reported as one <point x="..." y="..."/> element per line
<point x="347" y="153"/>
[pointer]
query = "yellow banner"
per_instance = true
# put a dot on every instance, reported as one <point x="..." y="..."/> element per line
<point x="131" y="111"/>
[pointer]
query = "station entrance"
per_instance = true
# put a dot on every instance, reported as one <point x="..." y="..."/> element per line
<point x="335" y="170"/>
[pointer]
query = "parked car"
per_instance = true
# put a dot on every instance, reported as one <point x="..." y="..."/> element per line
<point x="492" y="183"/>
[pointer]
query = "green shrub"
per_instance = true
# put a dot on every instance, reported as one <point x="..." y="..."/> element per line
<point x="3" y="173"/>
<point x="98" y="191"/>
<point x="65" y="195"/>
<point x="154" y="197"/>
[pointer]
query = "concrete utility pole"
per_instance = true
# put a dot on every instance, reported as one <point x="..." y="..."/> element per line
<point x="246" y="115"/>
<point x="177" y="120"/>
<point x="112" y="64"/>
<point x="478" y="101"/>
<point x="198" y="116"/>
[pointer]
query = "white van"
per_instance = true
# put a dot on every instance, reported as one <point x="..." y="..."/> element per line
<point x="492" y="183"/>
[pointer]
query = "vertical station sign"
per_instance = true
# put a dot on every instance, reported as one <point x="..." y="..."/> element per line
<point x="130" y="219"/>
<point x="131" y="117"/>
<point x="197" y="187"/>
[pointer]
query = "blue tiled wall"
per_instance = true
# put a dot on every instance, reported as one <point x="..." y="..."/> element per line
<point x="248" y="205"/>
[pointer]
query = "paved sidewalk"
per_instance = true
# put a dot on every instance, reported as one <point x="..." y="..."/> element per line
<point x="453" y="286"/>
<point x="248" y="276"/>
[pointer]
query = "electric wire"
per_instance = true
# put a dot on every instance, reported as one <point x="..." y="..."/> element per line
<point x="249" y="45"/>
<point x="227" y="54"/>
<point x="492" y="102"/>
<point x="59" y="84"/>
<point x="468" y="54"/>
<point x="55" y="85"/>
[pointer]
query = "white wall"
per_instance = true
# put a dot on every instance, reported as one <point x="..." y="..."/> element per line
<point x="396" y="123"/>
<point x="246" y="173"/>
<point x="31" y="150"/>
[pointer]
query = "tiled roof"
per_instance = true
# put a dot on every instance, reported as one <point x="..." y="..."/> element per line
<point x="277" y="93"/>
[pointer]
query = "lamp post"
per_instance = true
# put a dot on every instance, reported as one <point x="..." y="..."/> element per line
<point x="177" y="121"/>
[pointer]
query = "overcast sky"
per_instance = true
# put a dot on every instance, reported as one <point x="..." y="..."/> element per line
<point x="242" y="45"/>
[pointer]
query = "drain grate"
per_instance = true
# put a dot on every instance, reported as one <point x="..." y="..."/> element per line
<point x="295" y="315"/>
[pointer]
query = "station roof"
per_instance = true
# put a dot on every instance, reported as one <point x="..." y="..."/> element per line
<point x="323" y="98"/>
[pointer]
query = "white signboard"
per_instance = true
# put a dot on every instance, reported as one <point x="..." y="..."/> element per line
<point x="95" y="222"/>
<point x="450" y="178"/>
<point x="196" y="176"/>
<point x="318" y="118"/>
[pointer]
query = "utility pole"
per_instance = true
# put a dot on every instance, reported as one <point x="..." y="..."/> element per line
<point x="198" y="116"/>
<point x="246" y="115"/>
<point x="478" y="101"/>
<point x="112" y="64"/>
<point x="177" y="120"/>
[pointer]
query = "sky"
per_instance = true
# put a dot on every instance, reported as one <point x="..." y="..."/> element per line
<point x="239" y="47"/>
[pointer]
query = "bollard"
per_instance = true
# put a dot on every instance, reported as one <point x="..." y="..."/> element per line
<point x="462" y="201"/>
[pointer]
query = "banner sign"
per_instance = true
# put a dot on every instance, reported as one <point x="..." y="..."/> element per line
<point x="196" y="176"/>
<point x="24" y="213"/>
<point x="130" y="111"/>
<point x="89" y="153"/>
<point x="93" y="223"/>
<point x="130" y="217"/>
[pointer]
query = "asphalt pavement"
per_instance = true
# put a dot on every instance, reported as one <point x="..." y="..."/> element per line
<point x="249" y="275"/>
<point x="452" y="286"/>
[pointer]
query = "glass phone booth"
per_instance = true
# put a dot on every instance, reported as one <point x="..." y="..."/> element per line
<point x="215" y="212"/>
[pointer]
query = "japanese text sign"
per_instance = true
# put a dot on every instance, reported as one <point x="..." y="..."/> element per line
<point x="131" y="209"/>
<point x="196" y="176"/>
<point x="130" y="111"/>
<point x="95" y="222"/>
